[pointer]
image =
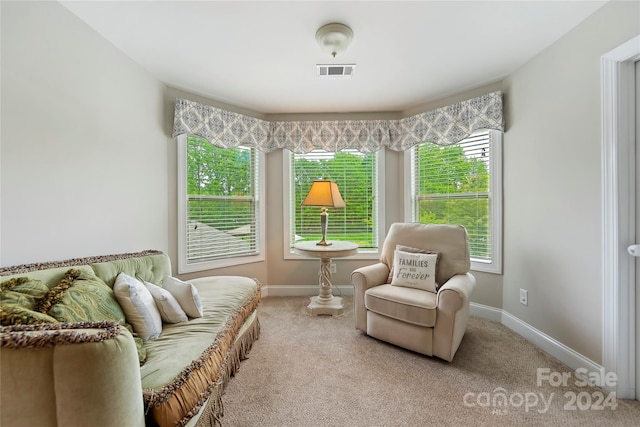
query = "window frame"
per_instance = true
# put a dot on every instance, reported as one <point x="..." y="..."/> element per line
<point x="186" y="266"/>
<point x="495" y="199"/>
<point x="288" y="254"/>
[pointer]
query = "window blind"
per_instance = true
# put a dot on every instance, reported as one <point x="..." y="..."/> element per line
<point x="222" y="204"/>
<point x="451" y="185"/>
<point x="355" y="173"/>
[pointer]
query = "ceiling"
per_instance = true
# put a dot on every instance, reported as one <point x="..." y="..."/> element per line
<point x="262" y="55"/>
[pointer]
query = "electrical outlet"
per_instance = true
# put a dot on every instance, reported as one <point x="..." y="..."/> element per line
<point x="332" y="267"/>
<point x="524" y="297"/>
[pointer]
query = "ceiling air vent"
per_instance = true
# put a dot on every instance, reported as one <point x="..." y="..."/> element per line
<point x="336" y="71"/>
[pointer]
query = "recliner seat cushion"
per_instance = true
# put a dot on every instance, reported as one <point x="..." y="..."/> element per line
<point x="407" y="304"/>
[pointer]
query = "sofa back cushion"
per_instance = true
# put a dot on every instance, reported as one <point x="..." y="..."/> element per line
<point x="152" y="268"/>
<point x="150" y="265"/>
<point x="450" y="241"/>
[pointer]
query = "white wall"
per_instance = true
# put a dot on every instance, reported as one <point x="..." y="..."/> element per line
<point x="552" y="182"/>
<point x="84" y="156"/>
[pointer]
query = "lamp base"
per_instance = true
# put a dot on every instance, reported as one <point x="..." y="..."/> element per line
<point x="323" y="242"/>
<point x="324" y="219"/>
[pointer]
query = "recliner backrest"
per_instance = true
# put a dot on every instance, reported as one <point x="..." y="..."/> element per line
<point x="449" y="240"/>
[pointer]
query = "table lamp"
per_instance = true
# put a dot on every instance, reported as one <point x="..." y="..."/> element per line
<point x="324" y="193"/>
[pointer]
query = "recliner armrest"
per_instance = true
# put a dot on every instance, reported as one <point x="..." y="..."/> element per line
<point x="370" y="275"/>
<point x="364" y="278"/>
<point x="452" y="315"/>
<point x="462" y="284"/>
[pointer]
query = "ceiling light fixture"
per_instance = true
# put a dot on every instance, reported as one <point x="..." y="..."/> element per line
<point x="334" y="38"/>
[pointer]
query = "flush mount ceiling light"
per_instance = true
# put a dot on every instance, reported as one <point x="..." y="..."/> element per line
<point x="334" y="38"/>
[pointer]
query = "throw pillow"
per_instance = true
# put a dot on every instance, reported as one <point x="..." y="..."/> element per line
<point x="16" y="314"/>
<point x="18" y="300"/>
<point x="186" y="294"/>
<point x="138" y="305"/>
<point x="415" y="270"/>
<point x="167" y="305"/>
<point x="412" y="250"/>
<point x="23" y="291"/>
<point x="83" y="297"/>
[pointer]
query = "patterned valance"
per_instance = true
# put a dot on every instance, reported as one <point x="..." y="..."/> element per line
<point x="301" y="137"/>
<point x="220" y="127"/>
<point x="443" y="126"/>
<point x="448" y="125"/>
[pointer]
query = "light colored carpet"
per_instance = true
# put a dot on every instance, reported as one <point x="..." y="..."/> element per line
<point x="320" y="371"/>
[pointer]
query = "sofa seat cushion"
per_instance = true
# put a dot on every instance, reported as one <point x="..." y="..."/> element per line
<point x="187" y="359"/>
<point x="407" y="304"/>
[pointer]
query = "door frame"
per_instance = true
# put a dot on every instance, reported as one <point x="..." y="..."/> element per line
<point x="618" y="215"/>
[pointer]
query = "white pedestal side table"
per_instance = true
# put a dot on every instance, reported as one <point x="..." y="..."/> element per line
<point x="325" y="302"/>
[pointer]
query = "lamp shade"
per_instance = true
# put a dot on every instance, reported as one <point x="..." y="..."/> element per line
<point x="324" y="193"/>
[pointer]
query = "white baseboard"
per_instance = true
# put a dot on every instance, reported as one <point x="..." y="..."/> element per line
<point x="555" y="348"/>
<point x="302" y="291"/>
<point x="485" y="312"/>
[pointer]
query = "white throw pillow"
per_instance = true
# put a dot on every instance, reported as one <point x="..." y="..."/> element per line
<point x="138" y="306"/>
<point x="413" y="251"/>
<point x="186" y="294"/>
<point x="414" y="270"/>
<point x="168" y="306"/>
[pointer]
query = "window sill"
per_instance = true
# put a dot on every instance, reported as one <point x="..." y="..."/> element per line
<point x="486" y="267"/>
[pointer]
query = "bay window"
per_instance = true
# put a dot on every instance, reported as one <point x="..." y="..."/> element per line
<point x="221" y="217"/>
<point x="461" y="184"/>
<point x="358" y="176"/>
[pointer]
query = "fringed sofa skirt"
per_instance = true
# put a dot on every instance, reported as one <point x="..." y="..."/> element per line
<point x="187" y="367"/>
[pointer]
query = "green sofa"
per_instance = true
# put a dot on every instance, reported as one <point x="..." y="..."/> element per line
<point x="89" y="373"/>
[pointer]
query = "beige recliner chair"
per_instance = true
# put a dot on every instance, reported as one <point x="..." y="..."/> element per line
<point x="430" y="323"/>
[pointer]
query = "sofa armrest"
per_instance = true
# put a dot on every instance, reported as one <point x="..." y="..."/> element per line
<point x="364" y="278"/>
<point x="69" y="374"/>
<point x="453" y="314"/>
